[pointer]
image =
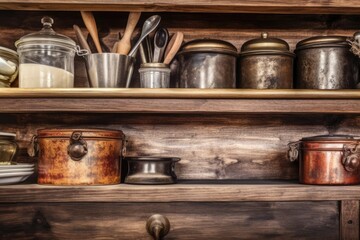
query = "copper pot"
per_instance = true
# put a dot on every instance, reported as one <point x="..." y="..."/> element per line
<point x="327" y="159"/>
<point x="78" y="156"/>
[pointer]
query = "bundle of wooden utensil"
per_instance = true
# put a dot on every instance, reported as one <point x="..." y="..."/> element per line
<point x="161" y="51"/>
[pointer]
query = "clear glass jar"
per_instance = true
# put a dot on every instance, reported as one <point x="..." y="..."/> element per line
<point x="46" y="58"/>
<point x="8" y="148"/>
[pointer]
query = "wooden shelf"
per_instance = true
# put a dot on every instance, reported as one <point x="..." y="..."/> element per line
<point x="188" y="192"/>
<point x="178" y="101"/>
<point x="226" y="6"/>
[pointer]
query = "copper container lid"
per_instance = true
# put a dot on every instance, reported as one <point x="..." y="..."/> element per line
<point x="330" y="138"/>
<point x="86" y="133"/>
<point x="209" y="45"/>
<point x="323" y="41"/>
<point x="266" y="45"/>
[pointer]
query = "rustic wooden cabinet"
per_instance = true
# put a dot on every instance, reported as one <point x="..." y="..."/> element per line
<point x="235" y="181"/>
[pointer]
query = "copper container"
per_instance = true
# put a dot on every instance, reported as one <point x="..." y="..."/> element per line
<point x="265" y="63"/>
<point x="79" y="156"/>
<point x="327" y="159"/>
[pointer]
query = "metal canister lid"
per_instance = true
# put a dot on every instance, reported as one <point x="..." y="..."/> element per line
<point x="319" y="41"/>
<point x="209" y="45"/>
<point x="265" y="45"/>
<point x="329" y="137"/>
<point x="46" y="36"/>
<point x="154" y="159"/>
<point x="154" y="65"/>
<point x="7" y="136"/>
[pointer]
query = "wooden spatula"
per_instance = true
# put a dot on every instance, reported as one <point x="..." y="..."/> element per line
<point x="90" y="24"/>
<point x="124" y="45"/>
<point x="173" y="47"/>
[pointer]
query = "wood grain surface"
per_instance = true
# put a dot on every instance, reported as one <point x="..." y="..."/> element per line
<point x="256" y="191"/>
<point x="193" y="106"/>
<point x="260" y="6"/>
<point x="281" y="220"/>
<point x="349" y="220"/>
<point x="211" y="146"/>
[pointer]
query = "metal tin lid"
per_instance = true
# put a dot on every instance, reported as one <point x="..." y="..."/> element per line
<point x="164" y="159"/>
<point x="209" y="45"/>
<point x="154" y="65"/>
<point x="46" y="36"/>
<point x="329" y="137"/>
<point x="7" y="136"/>
<point x="320" y="41"/>
<point x="265" y="45"/>
<point x="86" y="133"/>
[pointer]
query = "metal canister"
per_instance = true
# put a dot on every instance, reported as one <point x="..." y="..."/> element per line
<point x="207" y="63"/>
<point x="265" y="63"/>
<point x="154" y="75"/>
<point x="78" y="156"/>
<point x="326" y="62"/>
<point x="327" y="159"/>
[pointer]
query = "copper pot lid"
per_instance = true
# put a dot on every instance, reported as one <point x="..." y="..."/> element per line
<point x="208" y="45"/>
<point x="46" y="36"/>
<point x="85" y="132"/>
<point x="323" y="41"/>
<point x="329" y="137"/>
<point x="266" y="45"/>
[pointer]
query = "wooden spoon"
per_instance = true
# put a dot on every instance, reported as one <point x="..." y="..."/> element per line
<point x="90" y="24"/>
<point x="173" y="47"/>
<point x="124" y="44"/>
<point x="81" y="39"/>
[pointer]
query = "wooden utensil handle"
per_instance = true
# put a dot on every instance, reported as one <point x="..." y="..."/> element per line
<point x="125" y="44"/>
<point x="173" y="47"/>
<point x="90" y="24"/>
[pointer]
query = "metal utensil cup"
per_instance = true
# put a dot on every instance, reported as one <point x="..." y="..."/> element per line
<point x="109" y="70"/>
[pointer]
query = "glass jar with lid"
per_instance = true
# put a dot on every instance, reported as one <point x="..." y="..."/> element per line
<point x="8" y="148"/>
<point x="46" y="58"/>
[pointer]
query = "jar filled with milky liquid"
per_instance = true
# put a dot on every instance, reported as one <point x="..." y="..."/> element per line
<point x="46" y="58"/>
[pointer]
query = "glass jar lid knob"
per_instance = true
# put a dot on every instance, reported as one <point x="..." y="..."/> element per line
<point x="264" y="35"/>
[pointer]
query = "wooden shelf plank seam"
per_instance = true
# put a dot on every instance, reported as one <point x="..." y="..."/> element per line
<point x="178" y="193"/>
<point x="226" y="6"/>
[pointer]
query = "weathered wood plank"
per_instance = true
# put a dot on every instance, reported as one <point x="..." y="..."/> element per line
<point x="349" y="223"/>
<point x="261" y="6"/>
<point x="177" y="93"/>
<point x="182" y="192"/>
<point x="194" y="106"/>
<point x="211" y="146"/>
<point x="281" y="220"/>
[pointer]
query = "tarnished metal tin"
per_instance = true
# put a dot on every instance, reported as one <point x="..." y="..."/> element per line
<point x="151" y="170"/>
<point x="326" y="62"/>
<point x="79" y="156"/>
<point x="327" y="160"/>
<point x="265" y="63"/>
<point x="207" y="63"/>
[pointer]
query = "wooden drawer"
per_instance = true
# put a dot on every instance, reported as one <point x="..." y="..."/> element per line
<point x="241" y="220"/>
